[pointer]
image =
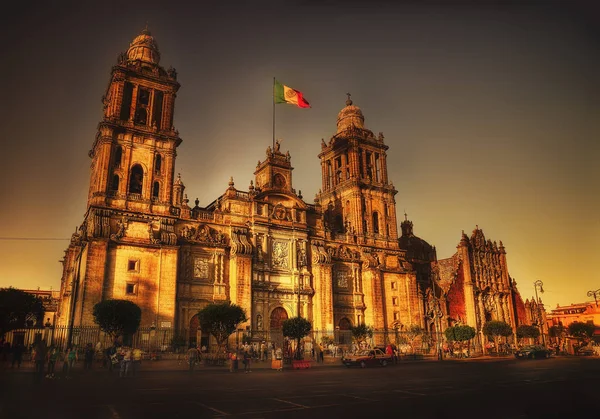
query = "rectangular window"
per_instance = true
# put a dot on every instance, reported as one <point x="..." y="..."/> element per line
<point x="396" y="316"/>
<point x="130" y="289"/>
<point x="393" y="285"/>
<point x="395" y="301"/>
<point x="133" y="266"/>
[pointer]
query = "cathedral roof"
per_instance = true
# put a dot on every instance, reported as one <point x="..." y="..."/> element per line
<point x="350" y="116"/>
<point x="144" y="48"/>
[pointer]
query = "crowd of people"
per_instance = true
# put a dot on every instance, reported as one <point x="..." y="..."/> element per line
<point x="50" y="362"/>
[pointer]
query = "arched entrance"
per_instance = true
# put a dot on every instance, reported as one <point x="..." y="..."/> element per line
<point x="278" y="316"/>
<point x="344" y="335"/>
<point x="196" y="336"/>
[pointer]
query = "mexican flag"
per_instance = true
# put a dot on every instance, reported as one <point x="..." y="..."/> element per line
<point x="285" y="94"/>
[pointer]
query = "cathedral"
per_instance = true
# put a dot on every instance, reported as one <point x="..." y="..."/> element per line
<point x="339" y="261"/>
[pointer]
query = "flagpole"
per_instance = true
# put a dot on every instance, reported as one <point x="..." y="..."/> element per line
<point x="273" y="113"/>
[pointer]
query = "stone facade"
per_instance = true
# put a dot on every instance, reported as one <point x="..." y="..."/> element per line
<point x="477" y="287"/>
<point x="338" y="261"/>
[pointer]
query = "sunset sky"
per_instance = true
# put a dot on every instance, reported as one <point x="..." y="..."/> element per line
<point x="490" y="109"/>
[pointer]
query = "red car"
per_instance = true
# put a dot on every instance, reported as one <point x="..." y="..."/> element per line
<point x="367" y="357"/>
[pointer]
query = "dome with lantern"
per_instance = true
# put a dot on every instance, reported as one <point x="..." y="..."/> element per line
<point x="350" y="116"/>
<point x="144" y="48"/>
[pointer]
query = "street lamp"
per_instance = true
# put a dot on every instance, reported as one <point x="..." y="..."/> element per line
<point x="594" y="294"/>
<point x="539" y="284"/>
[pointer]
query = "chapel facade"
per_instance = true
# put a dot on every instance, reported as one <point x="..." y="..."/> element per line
<point x="339" y="261"/>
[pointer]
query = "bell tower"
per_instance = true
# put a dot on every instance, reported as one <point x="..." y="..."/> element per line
<point x="133" y="155"/>
<point x="356" y="194"/>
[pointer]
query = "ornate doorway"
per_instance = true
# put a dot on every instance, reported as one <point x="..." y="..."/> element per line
<point x="344" y="335"/>
<point x="196" y="336"/>
<point x="278" y="316"/>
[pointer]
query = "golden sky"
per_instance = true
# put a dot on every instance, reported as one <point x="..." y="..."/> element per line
<point x="490" y="112"/>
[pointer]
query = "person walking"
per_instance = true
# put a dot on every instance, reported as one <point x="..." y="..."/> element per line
<point x="52" y="358"/>
<point x="137" y="361"/>
<point x="17" y="355"/>
<point x="88" y="357"/>
<point x="193" y="357"/>
<point x="70" y="360"/>
<point x="39" y="358"/>
<point x="126" y="362"/>
<point x="247" y="359"/>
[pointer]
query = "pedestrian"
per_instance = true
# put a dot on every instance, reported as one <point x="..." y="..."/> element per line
<point x="126" y="362"/>
<point x="88" y="357"/>
<point x="232" y="360"/>
<point x="137" y="360"/>
<point x="17" y="355"/>
<point x="39" y="358"/>
<point x="247" y="362"/>
<point x="321" y="352"/>
<point x="52" y="358"/>
<point x="111" y="357"/>
<point x="70" y="359"/>
<point x="193" y="357"/>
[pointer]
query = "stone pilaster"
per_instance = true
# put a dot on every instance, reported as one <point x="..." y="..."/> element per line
<point x="323" y="298"/>
<point x="240" y="283"/>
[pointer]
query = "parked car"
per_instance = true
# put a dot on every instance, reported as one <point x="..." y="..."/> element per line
<point x="585" y="351"/>
<point x="533" y="352"/>
<point x="367" y="357"/>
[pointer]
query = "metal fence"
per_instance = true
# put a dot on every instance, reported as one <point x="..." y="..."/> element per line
<point x="147" y="339"/>
<point x="167" y="340"/>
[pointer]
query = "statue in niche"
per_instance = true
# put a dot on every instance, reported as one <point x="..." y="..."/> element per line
<point x="259" y="322"/>
<point x="302" y="262"/>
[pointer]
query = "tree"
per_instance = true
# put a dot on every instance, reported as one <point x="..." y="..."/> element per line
<point x="495" y="329"/>
<point x="460" y="333"/>
<point x="557" y="332"/>
<point x="582" y="331"/>
<point x="19" y="309"/>
<point x="296" y="328"/>
<point x="527" y="331"/>
<point x="117" y="317"/>
<point x="221" y="320"/>
<point x="361" y="332"/>
<point x="412" y="333"/>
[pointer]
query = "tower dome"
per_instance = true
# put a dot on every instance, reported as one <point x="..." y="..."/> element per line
<point x="350" y="116"/>
<point x="144" y="48"/>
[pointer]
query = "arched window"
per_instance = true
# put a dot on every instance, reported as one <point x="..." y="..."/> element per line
<point x="157" y="163"/>
<point x="375" y="223"/>
<point x="329" y="175"/>
<point x="114" y="185"/>
<point x="118" y="156"/>
<point x="136" y="179"/>
<point x="155" y="190"/>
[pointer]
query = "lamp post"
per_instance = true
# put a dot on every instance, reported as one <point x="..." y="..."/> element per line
<point x="539" y="284"/>
<point x="594" y="294"/>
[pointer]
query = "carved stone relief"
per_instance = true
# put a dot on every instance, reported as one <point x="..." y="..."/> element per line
<point x="280" y="254"/>
<point x="201" y="267"/>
